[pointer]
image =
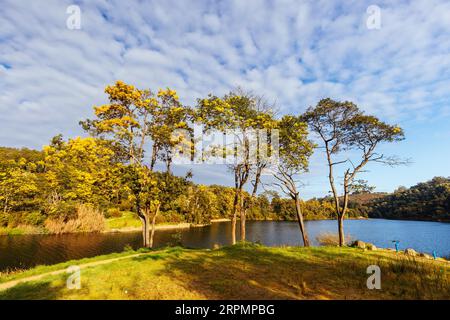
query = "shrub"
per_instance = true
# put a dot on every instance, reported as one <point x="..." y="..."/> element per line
<point x="113" y="213"/>
<point x="63" y="211"/>
<point x="88" y="219"/>
<point x="170" y="216"/>
<point x="34" y="218"/>
<point x="3" y="220"/>
<point x="331" y="239"/>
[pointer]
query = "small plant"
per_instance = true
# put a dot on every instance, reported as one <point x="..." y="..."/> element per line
<point x="331" y="239"/>
<point x="127" y="248"/>
<point x="176" y="239"/>
<point x="113" y="213"/>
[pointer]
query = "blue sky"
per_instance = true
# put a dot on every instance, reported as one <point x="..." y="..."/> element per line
<point x="293" y="52"/>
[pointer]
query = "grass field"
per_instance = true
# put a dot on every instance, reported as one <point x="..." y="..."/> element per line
<point x="244" y="271"/>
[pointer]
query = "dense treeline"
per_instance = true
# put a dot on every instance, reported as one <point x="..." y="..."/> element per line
<point x="41" y="186"/>
<point x="425" y="201"/>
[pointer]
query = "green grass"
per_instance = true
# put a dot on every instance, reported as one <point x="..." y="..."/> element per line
<point x="127" y="220"/>
<point x="246" y="271"/>
<point x="20" y="274"/>
<point x="7" y="231"/>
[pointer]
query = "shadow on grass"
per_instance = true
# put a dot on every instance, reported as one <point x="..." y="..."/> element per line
<point x="29" y="290"/>
<point x="249" y="271"/>
<point x="254" y="272"/>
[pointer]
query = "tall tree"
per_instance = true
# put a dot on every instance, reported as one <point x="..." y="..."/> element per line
<point x="126" y="122"/>
<point x="341" y="127"/>
<point x="294" y="152"/>
<point x="236" y="114"/>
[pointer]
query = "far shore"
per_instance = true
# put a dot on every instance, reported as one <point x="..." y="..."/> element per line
<point x="24" y="230"/>
<point x="184" y="225"/>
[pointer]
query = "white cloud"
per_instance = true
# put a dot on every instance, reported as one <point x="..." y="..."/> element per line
<point x="292" y="52"/>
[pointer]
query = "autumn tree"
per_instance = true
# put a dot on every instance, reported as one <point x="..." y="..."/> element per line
<point x="17" y="187"/>
<point x="145" y="190"/>
<point x="236" y="114"/>
<point x="169" y="128"/>
<point x="126" y="121"/>
<point x="343" y="127"/>
<point x="294" y="152"/>
<point x="81" y="170"/>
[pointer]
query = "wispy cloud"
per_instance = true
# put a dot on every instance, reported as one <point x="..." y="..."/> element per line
<point x="292" y="52"/>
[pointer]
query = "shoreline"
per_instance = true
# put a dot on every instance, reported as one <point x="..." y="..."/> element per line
<point x="27" y="230"/>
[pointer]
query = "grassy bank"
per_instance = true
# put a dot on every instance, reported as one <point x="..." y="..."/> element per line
<point x="127" y="222"/>
<point x="243" y="272"/>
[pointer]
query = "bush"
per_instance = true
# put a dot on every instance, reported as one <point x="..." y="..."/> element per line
<point x="170" y="216"/>
<point x="34" y="218"/>
<point x="331" y="239"/>
<point x="63" y="211"/>
<point x="88" y="219"/>
<point x="113" y="213"/>
<point x="3" y="219"/>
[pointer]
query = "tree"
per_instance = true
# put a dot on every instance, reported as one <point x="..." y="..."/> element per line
<point x="361" y="186"/>
<point x="17" y="187"/>
<point x="81" y="170"/>
<point x="237" y="113"/>
<point x="342" y="127"/>
<point x="126" y="123"/>
<point x="200" y="204"/>
<point x="294" y="152"/>
<point x="145" y="191"/>
<point x="168" y="118"/>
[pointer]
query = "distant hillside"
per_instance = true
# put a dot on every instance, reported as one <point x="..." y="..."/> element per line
<point x="425" y="201"/>
<point x="365" y="198"/>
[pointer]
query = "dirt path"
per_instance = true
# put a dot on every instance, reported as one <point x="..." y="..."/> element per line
<point x="10" y="284"/>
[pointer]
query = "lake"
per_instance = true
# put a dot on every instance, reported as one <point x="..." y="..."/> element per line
<point x="30" y="250"/>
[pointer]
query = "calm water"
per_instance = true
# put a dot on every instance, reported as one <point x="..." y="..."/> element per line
<point x="30" y="250"/>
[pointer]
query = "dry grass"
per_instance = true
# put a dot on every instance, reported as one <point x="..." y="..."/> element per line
<point x="88" y="219"/>
<point x="332" y="239"/>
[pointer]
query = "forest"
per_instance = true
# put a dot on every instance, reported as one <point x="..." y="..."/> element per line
<point x="424" y="201"/>
<point x="74" y="184"/>
<point x="26" y="176"/>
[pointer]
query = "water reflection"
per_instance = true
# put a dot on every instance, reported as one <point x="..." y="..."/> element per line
<point x="30" y="250"/>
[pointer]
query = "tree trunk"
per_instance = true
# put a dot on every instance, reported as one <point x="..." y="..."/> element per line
<point x="242" y="212"/>
<point x="243" y="224"/>
<point x="301" y="224"/>
<point x="168" y="164"/>
<point x="337" y="203"/>
<point x="154" y="156"/>
<point x="233" y="229"/>
<point x="152" y="235"/>
<point x="341" y="230"/>
<point x="145" y="238"/>
<point x="234" y="218"/>
<point x="5" y="208"/>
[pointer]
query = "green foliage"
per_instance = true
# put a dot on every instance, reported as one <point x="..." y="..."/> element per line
<point x="425" y="201"/>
